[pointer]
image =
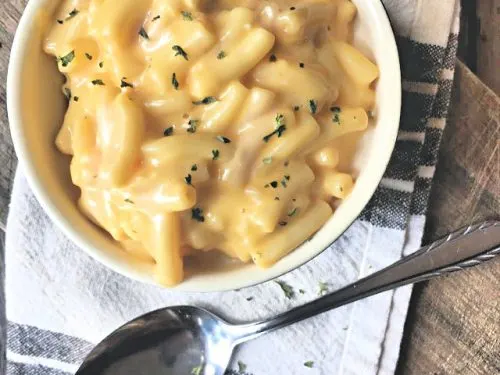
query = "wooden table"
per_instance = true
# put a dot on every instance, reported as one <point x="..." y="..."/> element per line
<point x="480" y="40"/>
<point x="453" y="322"/>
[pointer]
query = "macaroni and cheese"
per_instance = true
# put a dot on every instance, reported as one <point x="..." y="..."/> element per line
<point x="208" y="125"/>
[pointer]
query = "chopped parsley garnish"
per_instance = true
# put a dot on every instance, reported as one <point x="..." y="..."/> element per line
<point x="101" y="64"/>
<point x="76" y="98"/>
<point x="287" y="289"/>
<point x="241" y="367"/>
<point x="65" y="60"/>
<point x="187" y="16"/>
<point x="280" y="128"/>
<point x="309" y="364"/>
<point x="302" y="291"/>
<point x="205" y="101"/>
<point x="323" y="288"/>
<point x="215" y="154"/>
<point x="194" y="168"/>
<point x="221" y="55"/>
<point x="196" y="370"/>
<point x="273" y="58"/>
<point x="313" y="106"/>
<point x="273" y="184"/>
<point x="88" y="56"/>
<point x="67" y="93"/>
<point x="180" y="52"/>
<point x="192" y="126"/>
<point x="143" y="33"/>
<point x="98" y="82"/>
<point x="175" y="83"/>
<point x="124" y="84"/>
<point x="168" y="131"/>
<point x="129" y="201"/>
<point x="285" y="180"/>
<point x="283" y="223"/>
<point x="336" y="115"/>
<point x="155" y="18"/>
<point x="223" y="139"/>
<point x="296" y="108"/>
<point x="293" y="212"/>
<point x="280" y="119"/>
<point x="301" y="65"/>
<point x="188" y="179"/>
<point x="268" y="160"/>
<point x="197" y="214"/>
<point x="60" y="22"/>
<point x="72" y="14"/>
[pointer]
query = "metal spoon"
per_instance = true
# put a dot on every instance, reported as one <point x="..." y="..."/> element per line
<point x="187" y="340"/>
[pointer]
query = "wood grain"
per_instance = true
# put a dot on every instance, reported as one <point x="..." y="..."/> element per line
<point x="480" y="40"/>
<point x="452" y="326"/>
<point x="488" y="12"/>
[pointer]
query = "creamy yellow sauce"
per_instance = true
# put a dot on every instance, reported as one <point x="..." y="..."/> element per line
<point x="209" y="125"/>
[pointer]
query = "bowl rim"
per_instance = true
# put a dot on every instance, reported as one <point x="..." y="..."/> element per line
<point x="14" y="93"/>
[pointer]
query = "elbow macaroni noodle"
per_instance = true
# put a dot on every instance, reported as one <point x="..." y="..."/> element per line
<point x="199" y="125"/>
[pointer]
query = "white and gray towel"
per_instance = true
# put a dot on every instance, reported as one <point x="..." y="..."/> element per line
<point x="60" y="302"/>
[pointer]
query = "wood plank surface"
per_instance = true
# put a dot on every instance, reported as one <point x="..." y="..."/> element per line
<point x="488" y="12"/>
<point x="480" y="40"/>
<point x="453" y="322"/>
<point x="452" y="326"/>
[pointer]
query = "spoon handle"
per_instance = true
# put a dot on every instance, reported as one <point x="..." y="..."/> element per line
<point x="462" y="249"/>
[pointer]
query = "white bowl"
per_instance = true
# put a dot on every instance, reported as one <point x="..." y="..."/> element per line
<point x="36" y="107"/>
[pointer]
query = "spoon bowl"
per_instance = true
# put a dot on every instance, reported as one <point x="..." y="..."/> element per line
<point x="174" y="340"/>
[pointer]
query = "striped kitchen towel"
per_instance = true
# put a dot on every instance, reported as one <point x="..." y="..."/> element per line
<point x="60" y="302"/>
